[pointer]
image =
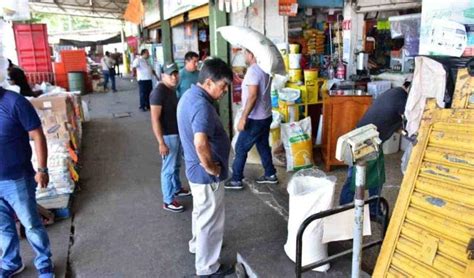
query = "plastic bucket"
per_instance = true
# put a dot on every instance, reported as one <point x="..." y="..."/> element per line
<point x="295" y="61"/>
<point x="286" y="60"/>
<point x="310" y="76"/>
<point x="275" y="136"/>
<point x="295" y="75"/>
<point x="392" y="145"/>
<point x="294" y="48"/>
<point x="76" y="81"/>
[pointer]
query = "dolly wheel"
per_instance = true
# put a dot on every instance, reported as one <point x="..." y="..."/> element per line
<point x="240" y="271"/>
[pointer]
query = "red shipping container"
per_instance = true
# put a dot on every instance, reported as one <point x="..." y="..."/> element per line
<point x="32" y="47"/>
<point x="59" y="68"/>
<point x="74" y="60"/>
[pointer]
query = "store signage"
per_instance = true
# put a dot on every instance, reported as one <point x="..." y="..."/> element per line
<point x="152" y="12"/>
<point x="288" y="7"/>
<point x="173" y="8"/>
<point x="347" y="25"/>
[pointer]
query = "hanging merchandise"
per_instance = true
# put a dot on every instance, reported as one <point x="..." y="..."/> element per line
<point x="314" y="41"/>
<point x="296" y="138"/>
<point x="288" y="7"/>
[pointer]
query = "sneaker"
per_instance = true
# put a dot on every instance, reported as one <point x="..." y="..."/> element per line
<point x="47" y="272"/>
<point x="223" y="271"/>
<point x="10" y="273"/>
<point x="234" y="185"/>
<point x="173" y="207"/>
<point x="271" y="179"/>
<point x="183" y="193"/>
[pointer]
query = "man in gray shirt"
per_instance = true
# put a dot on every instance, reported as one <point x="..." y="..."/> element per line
<point x="254" y="124"/>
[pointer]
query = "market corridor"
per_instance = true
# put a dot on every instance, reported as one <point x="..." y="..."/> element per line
<point x="119" y="228"/>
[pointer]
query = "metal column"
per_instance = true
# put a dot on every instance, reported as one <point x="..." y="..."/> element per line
<point x="219" y="49"/>
<point x="360" y="171"/>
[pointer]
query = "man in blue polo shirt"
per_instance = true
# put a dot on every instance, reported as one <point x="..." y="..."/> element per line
<point x="206" y="149"/>
<point x="18" y="180"/>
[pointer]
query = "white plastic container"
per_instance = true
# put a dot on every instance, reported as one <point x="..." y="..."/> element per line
<point x="404" y="143"/>
<point x="392" y="145"/>
<point x="295" y="61"/>
<point x="376" y="88"/>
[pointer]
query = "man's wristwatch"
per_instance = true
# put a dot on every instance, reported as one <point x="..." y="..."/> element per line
<point x="43" y="170"/>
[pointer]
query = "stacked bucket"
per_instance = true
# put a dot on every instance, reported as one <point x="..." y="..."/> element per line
<point x="294" y="64"/>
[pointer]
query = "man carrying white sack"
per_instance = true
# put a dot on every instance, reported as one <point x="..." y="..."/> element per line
<point x="254" y="124"/>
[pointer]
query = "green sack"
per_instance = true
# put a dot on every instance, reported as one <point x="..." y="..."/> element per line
<point x="375" y="173"/>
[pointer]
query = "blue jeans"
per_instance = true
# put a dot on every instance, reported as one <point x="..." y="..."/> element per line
<point x="256" y="132"/>
<point x="144" y="88"/>
<point x="347" y="194"/>
<point x="18" y="197"/>
<point x="170" y="183"/>
<point x="108" y="76"/>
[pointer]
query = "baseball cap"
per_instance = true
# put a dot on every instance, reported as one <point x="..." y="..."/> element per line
<point x="169" y="68"/>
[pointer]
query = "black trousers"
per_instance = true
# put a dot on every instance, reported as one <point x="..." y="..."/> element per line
<point x="145" y="87"/>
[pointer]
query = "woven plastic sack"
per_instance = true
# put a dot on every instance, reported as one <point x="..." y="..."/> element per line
<point x="296" y="138"/>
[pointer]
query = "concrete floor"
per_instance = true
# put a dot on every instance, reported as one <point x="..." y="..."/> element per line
<point x="119" y="228"/>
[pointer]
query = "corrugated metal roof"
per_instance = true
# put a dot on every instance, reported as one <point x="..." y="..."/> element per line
<point x="110" y="9"/>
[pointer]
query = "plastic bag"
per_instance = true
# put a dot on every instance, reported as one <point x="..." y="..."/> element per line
<point x="311" y="191"/>
<point x="296" y="138"/>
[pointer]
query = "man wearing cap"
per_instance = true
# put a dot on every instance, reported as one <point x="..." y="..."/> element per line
<point x="164" y="102"/>
<point x="386" y="114"/>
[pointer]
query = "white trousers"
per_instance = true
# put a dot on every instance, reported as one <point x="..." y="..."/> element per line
<point x="207" y="226"/>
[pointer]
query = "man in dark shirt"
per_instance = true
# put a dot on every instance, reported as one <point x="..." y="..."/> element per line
<point x="18" y="180"/>
<point x="164" y="102"/>
<point x="386" y="114"/>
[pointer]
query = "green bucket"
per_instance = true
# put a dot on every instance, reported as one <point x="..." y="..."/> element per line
<point x="76" y="81"/>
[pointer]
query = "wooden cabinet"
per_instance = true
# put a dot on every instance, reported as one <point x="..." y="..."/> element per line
<point x="340" y="115"/>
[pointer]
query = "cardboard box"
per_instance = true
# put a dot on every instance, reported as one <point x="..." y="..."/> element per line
<point x="57" y="116"/>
